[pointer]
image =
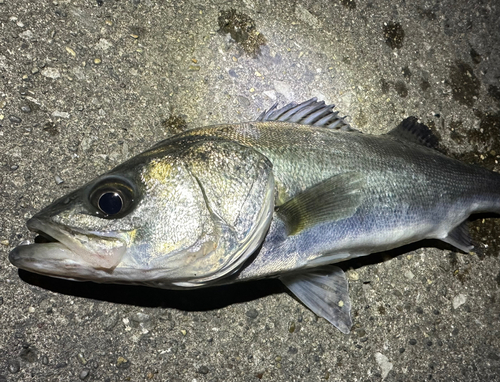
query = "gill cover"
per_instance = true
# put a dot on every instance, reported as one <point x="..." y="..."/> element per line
<point x="219" y="198"/>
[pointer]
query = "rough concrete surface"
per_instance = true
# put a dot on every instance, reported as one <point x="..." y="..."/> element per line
<point x="85" y="85"/>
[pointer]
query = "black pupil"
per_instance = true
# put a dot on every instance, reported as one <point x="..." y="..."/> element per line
<point x="110" y="203"/>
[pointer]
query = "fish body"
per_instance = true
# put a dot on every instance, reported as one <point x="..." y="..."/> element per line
<point x="285" y="196"/>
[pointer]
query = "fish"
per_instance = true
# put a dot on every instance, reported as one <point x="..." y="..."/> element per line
<point x="286" y="196"/>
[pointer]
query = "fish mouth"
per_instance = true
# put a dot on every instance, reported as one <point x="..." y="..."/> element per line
<point x="67" y="252"/>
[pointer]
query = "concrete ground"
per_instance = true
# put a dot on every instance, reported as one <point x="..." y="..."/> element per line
<point x="85" y="85"/>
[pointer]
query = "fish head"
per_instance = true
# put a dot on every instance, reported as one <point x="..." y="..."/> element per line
<point x="168" y="218"/>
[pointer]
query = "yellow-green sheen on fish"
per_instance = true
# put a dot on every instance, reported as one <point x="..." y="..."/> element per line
<point x="285" y="196"/>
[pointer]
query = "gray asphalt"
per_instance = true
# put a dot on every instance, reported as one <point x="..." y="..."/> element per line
<point x="86" y="85"/>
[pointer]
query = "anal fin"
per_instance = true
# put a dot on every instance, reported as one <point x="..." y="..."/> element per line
<point x="460" y="238"/>
<point x="326" y="292"/>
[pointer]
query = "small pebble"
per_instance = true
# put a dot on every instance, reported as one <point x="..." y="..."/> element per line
<point x="203" y="370"/>
<point x="361" y="332"/>
<point x="60" y="114"/>
<point x="70" y="51"/>
<point x="58" y="179"/>
<point x="97" y="61"/>
<point x="252" y="313"/>
<point x="353" y="275"/>
<point x="122" y="363"/>
<point x="51" y="73"/>
<point x="81" y="359"/>
<point x="140" y="317"/>
<point x="26" y="109"/>
<point x="413" y="341"/>
<point x="14" y="119"/>
<point x="84" y="374"/>
<point x="493" y="356"/>
<point x="13" y="366"/>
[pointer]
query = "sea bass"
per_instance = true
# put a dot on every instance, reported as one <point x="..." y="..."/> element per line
<point x="285" y="196"/>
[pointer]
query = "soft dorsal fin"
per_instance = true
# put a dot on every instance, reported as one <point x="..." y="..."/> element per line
<point x="310" y="112"/>
<point x="333" y="199"/>
<point x="412" y="130"/>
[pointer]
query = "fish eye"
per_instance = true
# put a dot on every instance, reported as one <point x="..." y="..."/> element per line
<point x="112" y="198"/>
<point x="110" y="202"/>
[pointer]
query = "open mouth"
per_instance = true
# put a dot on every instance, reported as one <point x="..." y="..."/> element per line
<point x="58" y="248"/>
<point x="43" y="238"/>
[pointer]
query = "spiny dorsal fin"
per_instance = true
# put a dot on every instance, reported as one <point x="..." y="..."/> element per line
<point x="333" y="199"/>
<point x="412" y="130"/>
<point x="311" y="112"/>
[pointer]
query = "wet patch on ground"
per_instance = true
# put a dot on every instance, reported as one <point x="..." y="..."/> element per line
<point x="385" y="86"/>
<point x="399" y="86"/>
<point x="401" y="89"/>
<point x="175" y="124"/>
<point x="464" y="83"/>
<point x="425" y="85"/>
<point x="51" y="128"/>
<point x="394" y="35"/>
<point x="485" y="141"/>
<point x="460" y="272"/>
<point x="476" y="57"/>
<point x="350" y="4"/>
<point x="243" y="30"/>
<point x="494" y="92"/>
<point x="427" y="13"/>
<point x="484" y="233"/>
<point x="406" y="73"/>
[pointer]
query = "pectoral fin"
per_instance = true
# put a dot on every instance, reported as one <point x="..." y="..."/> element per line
<point x="334" y="199"/>
<point x="326" y="292"/>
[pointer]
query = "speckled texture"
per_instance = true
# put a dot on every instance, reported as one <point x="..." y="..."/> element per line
<point x="84" y="86"/>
